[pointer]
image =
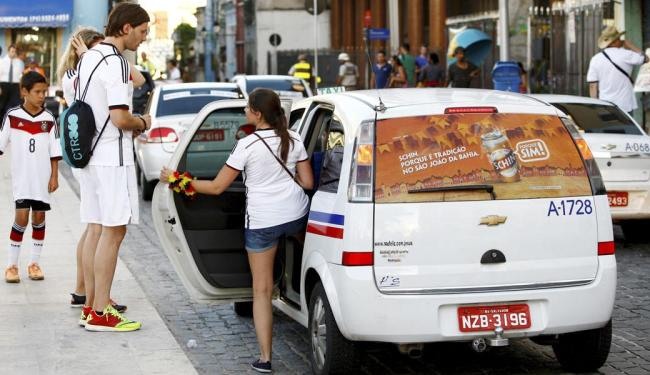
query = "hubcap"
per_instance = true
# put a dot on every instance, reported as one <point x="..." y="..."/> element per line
<point x="318" y="331"/>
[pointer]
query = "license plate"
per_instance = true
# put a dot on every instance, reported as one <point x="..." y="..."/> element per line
<point x="487" y="318"/>
<point x="617" y="198"/>
<point x="209" y="135"/>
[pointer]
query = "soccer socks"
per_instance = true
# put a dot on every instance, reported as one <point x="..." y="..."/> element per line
<point x="38" y="235"/>
<point x="15" y="240"/>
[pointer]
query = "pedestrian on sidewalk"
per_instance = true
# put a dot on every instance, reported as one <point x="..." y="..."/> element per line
<point x="381" y="71"/>
<point x="276" y="170"/>
<point x="432" y="74"/>
<point x="398" y="75"/>
<point x="609" y="74"/>
<point x="11" y="69"/>
<point x="408" y="62"/>
<point x="107" y="185"/>
<point x="83" y="39"/>
<point x="348" y="73"/>
<point x="462" y="71"/>
<point x="35" y="152"/>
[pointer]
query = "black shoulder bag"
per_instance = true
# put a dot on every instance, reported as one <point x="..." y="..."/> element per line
<point x="618" y="67"/>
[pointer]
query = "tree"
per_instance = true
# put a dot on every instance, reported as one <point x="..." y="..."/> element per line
<point x="184" y="35"/>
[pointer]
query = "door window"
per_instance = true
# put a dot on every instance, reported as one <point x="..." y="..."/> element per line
<point x="316" y="139"/>
<point x="333" y="157"/>
<point x="294" y="119"/>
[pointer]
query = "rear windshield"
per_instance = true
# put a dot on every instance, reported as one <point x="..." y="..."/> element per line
<point x="598" y="118"/>
<point x="476" y="157"/>
<point x="188" y="101"/>
<point x="287" y="88"/>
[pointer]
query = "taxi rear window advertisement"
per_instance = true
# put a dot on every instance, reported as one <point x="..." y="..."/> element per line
<point x="463" y="157"/>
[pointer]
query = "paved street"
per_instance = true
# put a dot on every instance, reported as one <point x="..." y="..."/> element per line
<point x="226" y="343"/>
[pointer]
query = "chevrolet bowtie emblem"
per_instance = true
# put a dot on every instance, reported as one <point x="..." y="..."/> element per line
<point x="608" y="147"/>
<point x="492" y="220"/>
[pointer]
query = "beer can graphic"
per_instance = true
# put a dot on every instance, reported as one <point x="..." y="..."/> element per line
<point x="501" y="156"/>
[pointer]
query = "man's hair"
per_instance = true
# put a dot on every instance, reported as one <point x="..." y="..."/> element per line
<point x="459" y="49"/>
<point x="29" y="79"/>
<point x="406" y="46"/>
<point x="125" y="14"/>
<point x="434" y="58"/>
<point x="382" y="52"/>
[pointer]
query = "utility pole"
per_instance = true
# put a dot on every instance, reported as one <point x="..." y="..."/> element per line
<point x="504" y="52"/>
<point x="209" y="22"/>
<point x="316" y="43"/>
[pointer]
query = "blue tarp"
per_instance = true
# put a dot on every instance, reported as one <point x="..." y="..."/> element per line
<point x="40" y="13"/>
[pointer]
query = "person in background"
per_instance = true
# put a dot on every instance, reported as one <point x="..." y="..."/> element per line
<point x="11" y="69"/>
<point x="173" y="73"/>
<point x="348" y="73"/>
<point x="462" y="71"/>
<point x="147" y="64"/>
<point x="276" y="172"/>
<point x="381" y="71"/>
<point x="421" y="60"/>
<point x="303" y="69"/>
<point x="35" y="153"/>
<point x="398" y="77"/>
<point x="523" y="75"/>
<point x="33" y="66"/>
<point x="432" y="74"/>
<point x="610" y="70"/>
<point x="408" y="62"/>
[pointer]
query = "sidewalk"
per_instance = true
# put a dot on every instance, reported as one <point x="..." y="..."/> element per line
<point x="39" y="333"/>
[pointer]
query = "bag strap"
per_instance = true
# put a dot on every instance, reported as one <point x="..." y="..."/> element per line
<point x="277" y="158"/>
<point x="618" y="67"/>
<point x="100" y="135"/>
<point x="82" y="97"/>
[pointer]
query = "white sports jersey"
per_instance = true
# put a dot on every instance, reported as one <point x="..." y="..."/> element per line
<point x="272" y="196"/>
<point x="67" y="83"/>
<point x="34" y="142"/>
<point x="111" y="87"/>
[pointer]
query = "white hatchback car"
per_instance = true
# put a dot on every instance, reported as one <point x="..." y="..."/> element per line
<point x="622" y="151"/>
<point x="287" y="87"/>
<point x="172" y="108"/>
<point x="439" y="215"/>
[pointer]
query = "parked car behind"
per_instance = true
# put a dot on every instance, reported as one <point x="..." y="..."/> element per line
<point x="438" y="215"/>
<point x="622" y="151"/>
<point x="141" y="94"/>
<point x="172" y="108"/>
<point x="287" y="87"/>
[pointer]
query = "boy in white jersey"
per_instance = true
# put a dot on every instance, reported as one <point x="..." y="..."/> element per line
<point x="35" y="153"/>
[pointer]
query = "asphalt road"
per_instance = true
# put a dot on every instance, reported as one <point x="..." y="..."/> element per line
<point x="225" y="343"/>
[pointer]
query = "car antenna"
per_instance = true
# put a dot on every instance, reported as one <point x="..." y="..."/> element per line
<point x="381" y="107"/>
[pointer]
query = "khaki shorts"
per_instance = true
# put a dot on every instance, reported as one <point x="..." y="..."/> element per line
<point x="109" y="195"/>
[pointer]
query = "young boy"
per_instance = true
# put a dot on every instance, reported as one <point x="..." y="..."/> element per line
<point x="35" y="148"/>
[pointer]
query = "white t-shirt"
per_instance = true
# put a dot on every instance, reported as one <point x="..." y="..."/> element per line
<point x="67" y="84"/>
<point x="613" y="85"/>
<point x="174" y="73"/>
<point x="34" y="142"/>
<point x="348" y="71"/>
<point x="111" y="87"/>
<point x="16" y="73"/>
<point x="272" y="197"/>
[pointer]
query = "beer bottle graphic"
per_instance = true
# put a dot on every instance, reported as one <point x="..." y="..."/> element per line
<point x="499" y="152"/>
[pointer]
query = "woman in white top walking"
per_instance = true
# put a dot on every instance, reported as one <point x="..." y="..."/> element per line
<point x="276" y="169"/>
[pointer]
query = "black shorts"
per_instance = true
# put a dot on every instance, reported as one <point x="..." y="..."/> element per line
<point x="33" y="204"/>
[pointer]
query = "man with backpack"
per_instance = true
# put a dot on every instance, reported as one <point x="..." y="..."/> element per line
<point x="109" y="199"/>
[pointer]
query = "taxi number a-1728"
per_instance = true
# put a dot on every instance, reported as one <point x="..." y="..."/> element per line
<point x="567" y="207"/>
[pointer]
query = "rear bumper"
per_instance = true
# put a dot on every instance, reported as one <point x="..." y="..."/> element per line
<point x="368" y="315"/>
<point x="638" y="206"/>
<point x="151" y="158"/>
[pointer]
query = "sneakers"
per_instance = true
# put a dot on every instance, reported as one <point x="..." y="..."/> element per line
<point x="11" y="274"/>
<point x="79" y="301"/>
<point x="85" y="311"/>
<point x="260" y="366"/>
<point x="110" y="321"/>
<point x="34" y="271"/>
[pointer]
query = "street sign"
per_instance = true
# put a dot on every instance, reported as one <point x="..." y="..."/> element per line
<point x="330" y="90"/>
<point x="275" y="40"/>
<point x="378" y="34"/>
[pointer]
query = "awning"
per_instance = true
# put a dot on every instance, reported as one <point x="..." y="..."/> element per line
<point x="39" y="13"/>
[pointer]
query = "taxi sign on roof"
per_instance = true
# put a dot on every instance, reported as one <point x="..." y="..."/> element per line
<point x="330" y="90"/>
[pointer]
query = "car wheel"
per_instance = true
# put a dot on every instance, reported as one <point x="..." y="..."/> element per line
<point x="244" y="309"/>
<point x="635" y="230"/>
<point x="584" y="351"/>
<point x="331" y="353"/>
<point x="147" y="187"/>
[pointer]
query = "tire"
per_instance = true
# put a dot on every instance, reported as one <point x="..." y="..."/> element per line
<point x="330" y="353"/>
<point x="584" y="351"/>
<point x="244" y="309"/>
<point x="147" y="187"/>
<point x="635" y="230"/>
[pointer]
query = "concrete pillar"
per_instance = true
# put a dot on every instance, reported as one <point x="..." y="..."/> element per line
<point x="378" y="11"/>
<point x="437" y="28"/>
<point x="393" y="24"/>
<point x="504" y="43"/>
<point x="415" y="25"/>
<point x="335" y="23"/>
<point x="347" y="18"/>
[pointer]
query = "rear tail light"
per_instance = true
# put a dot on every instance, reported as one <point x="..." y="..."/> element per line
<point x="606" y="248"/>
<point x="596" y="180"/>
<point x="162" y="135"/>
<point x="244" y="130"/>
<point x="361" y="174"/>
<point x="357" y="258"/>
<point x="453" y="110"/>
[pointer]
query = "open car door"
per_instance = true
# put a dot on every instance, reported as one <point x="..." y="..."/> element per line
<point x="203" y="237"/>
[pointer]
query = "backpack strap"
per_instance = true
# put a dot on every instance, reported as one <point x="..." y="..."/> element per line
<point x="618" y="67"/>
<point x="82" y="97"/>
<point x="100" y="135"/>
<point x="277" y="158"/>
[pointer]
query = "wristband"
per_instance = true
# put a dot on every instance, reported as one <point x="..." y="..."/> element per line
<point x="181" y="183"/>
<point x="143" y="123"/>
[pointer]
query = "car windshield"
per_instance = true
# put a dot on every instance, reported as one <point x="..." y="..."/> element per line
<point x="287" y="87"/>
<point x="598" y="118"/>
<point x="191" y="100"/>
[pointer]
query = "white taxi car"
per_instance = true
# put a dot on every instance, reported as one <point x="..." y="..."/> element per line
<point x="439" y="215"/>
<point x="287" y="87"/>
<point x="172" y="108"/>
<point x="622" y="151"/>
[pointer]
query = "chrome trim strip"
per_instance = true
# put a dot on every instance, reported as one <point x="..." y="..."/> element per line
<point x="505" y="288"/>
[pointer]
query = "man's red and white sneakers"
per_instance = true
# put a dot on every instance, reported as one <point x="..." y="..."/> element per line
<point x="85" y="311"/>
<point x="110" y="321"/>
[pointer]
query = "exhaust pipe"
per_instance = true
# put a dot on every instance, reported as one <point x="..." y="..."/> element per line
<point x="479" y="345"/>
<point x="414" y="351"/>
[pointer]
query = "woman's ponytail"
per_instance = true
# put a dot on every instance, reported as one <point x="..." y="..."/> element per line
<point x="268" y="103"/>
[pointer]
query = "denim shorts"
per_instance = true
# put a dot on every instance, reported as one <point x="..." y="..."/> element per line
<point x="262" y="239"/>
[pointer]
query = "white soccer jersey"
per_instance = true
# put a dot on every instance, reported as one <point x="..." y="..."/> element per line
<point x="111" y="86"/>
<point x="34" y="142"/>
<point x="67" y="83"/>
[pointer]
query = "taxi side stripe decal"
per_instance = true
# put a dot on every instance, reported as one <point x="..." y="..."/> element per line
<point x="323" y="230"/>
<point x="326" y="218"/>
